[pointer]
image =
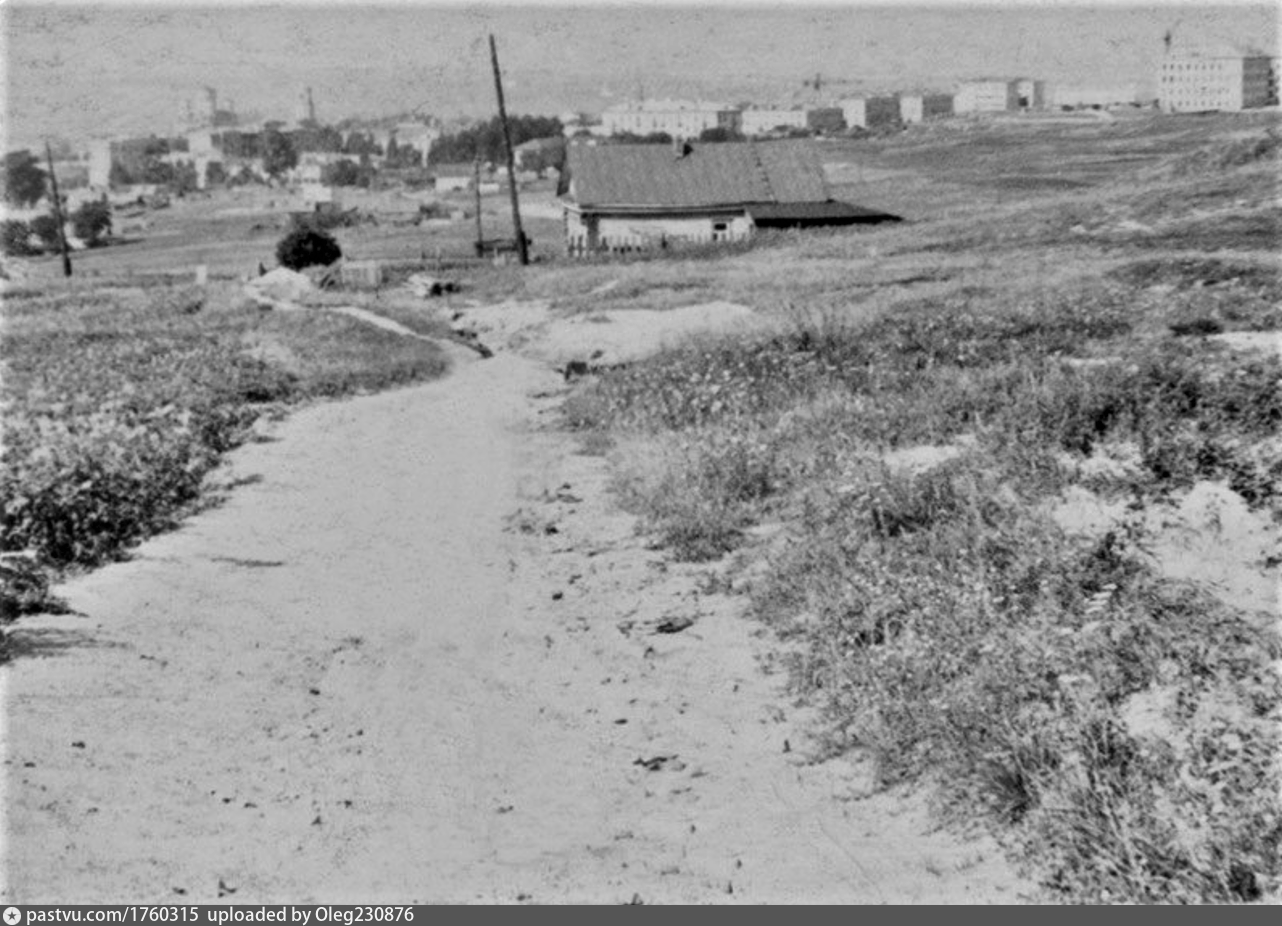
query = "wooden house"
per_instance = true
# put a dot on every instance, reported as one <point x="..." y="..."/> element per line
<point x="620" y="198"/>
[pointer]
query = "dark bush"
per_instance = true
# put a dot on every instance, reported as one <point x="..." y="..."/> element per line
<point x="45" y="227"/>
<point x="92" y="222"/>
<point x="307" y="247"/>
<point x="15" y="239"/>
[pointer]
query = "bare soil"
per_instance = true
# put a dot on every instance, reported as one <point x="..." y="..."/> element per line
<point x="419" y="657"/>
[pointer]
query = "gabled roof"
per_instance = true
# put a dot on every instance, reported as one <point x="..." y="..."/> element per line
<point x="713" y="174"/>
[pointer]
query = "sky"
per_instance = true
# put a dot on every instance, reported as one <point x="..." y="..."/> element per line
<point x="77" y="71"/>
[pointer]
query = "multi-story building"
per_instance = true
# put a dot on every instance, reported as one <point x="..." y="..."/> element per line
<point x="918" y="107"/>
<point x="100" y="164"/>
<point x="763" y="121"/>
<point x="678" y="118"/>
<point x="1199" y="81"/>
<point x="881" y="110"/>
<point x="1030" y="94"/>
<point x="855" y="112"/>
<point x="987" y="95"/>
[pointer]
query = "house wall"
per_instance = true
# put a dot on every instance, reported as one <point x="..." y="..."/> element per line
<point x="676" y="119"/>
<point x="762" y="121"/>
<point x="448" y="184"/>
<point x="1195" y="83"/>
<point x="825" y="119"/>
<point x="987" y="96"/>
<point x="911" y="109"/>
<point x="855" y="112"/>
<point x="1030" y="94"/>
<point x="881" y="110"/>
<point x="100" y="163"/>
<point x="1259" y="86"/>
<point x="605" y="233"/>
<point x="936" y="105"/>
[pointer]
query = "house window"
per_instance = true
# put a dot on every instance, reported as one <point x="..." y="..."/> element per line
<point x="720" y="231"/>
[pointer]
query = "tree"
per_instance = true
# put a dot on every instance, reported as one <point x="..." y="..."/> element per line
<point x="345" y="173"/>
<point x="15" y="239"/>
<point x="486" y="139"/>
<point x="185" y="179"/>
<point x="631" y="138"/>
<point x="91" y="222"/>
<point x="307" y="247"/>
<point x="157" y="172"/>
<point x="45" y="227"/>
<point x="24" y="181"/>
<point x="278" y="154"/>
<point x="119" y="175"/>
<point x="361" y="144"/>
<point x="215" y="173"/>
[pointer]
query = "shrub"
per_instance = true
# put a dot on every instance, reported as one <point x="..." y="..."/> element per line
<point x="15" y="239"/>
<point x="45" y="227"/>
<point x="91" y="222"/>
<point x="307" y="247"/>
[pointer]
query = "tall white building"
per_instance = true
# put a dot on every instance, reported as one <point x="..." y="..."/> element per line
<point x="855" y="111"/>
<point x="100" y="163"/>
<point x="678" y="118"/>
<point x="1199" y="81"/>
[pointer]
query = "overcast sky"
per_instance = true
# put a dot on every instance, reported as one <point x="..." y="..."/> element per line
<point x="108" y="68"/>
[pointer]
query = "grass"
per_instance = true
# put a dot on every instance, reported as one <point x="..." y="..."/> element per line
<point x="118" y="402"/>
<point x="932" y="392"/>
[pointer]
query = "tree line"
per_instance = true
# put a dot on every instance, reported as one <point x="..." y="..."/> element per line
<point x="485" y="140"/>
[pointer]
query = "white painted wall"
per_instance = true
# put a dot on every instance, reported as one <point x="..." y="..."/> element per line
<point x="622" y="233"/>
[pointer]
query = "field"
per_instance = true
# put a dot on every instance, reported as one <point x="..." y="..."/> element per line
<point x="950" y="479"/>
<point x="953" y="481"/>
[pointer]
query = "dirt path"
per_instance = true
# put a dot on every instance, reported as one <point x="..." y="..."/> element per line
<point x="416" y="658"/>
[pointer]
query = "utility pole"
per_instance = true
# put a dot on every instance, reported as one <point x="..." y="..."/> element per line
<point x="521" y="248"/>
<point x="476" y="186"/>
<point x="57" y="212"/>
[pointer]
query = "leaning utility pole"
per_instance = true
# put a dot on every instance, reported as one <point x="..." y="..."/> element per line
<point x="521" y="248"/>
<point x="57" y="213"/>
<point x="476" y="186"/>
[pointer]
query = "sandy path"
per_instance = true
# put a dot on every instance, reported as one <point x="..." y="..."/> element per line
<point x="414" y="659"/>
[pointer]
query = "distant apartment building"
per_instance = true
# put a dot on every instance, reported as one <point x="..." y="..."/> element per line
<point x="986" y="96"/>
<point x="100" y="163"/>
<point x="678" y="118"/>
<point x="755" y="121"/>
<point x="999" y="95"/>
<point x="1198" y="81"/>
<point x="919" y="107"/>
<point x="855" y="112"/>
<point x="881" y="111"/>
<point x="1030" y="94"/>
